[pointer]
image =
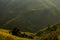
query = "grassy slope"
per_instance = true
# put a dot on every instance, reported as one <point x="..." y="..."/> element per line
<point x="4" y="35"/>
<point x="49" y="35"/>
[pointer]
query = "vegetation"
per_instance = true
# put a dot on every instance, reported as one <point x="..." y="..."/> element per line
<point x="51" y="32"/>
<point x="7" y="36"/>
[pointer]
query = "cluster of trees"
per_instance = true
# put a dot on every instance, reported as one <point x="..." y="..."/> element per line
<point x="17" y="32"/>
<point x="53" y="28"/>
<point x="49" y="29"/>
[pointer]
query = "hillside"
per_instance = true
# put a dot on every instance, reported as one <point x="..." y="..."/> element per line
<point x="51" y="35"/>
<point x="28" y="15"/>
<point x="4" y="35"/>
<point x="51" y="32"/>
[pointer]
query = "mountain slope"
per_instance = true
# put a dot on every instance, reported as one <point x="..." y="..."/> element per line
<point x="50" y="33"/>
<point x="4" y="35"/>
<point x="28" y="15"/>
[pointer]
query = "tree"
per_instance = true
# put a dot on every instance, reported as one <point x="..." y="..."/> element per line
<point x="15" y="31"/>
